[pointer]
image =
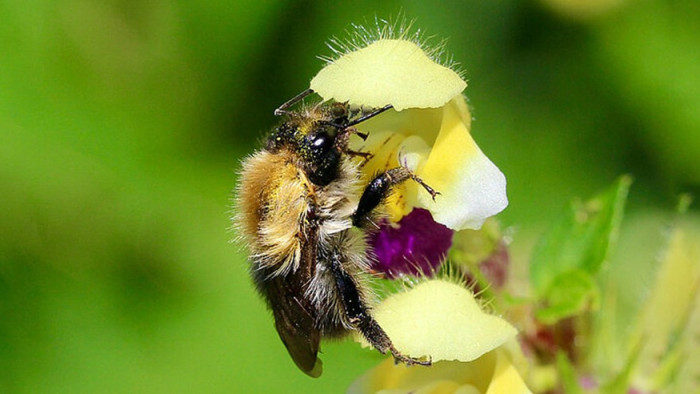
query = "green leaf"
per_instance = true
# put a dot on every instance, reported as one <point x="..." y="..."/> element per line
<point x="574" y="291"/>
<point x="575" y="249"/>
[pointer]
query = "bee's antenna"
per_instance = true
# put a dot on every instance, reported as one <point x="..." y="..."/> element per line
<point x="282" y="110"/>
<point x="369" y="115"/>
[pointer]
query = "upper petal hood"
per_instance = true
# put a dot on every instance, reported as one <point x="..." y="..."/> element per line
<point x="388" y="71"/>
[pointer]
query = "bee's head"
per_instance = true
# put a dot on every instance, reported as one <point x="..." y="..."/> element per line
<point x="319" y="137"/>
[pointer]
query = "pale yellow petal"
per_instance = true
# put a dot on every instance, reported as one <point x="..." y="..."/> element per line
<point x="469" y="377"/>
<point x="441" y="319"/>
<point x="422" y="122"/>
<point x="506" y="378"/>
<point x="388" y="71"/>
<point x="492" y="373"/>
<point x="472" y="188"/>
<point x="437" y="387"/>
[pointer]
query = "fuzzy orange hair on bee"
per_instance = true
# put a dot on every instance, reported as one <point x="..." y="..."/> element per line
<point x="304" y="217"/>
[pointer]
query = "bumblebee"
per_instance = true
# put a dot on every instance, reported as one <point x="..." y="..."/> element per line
<point x="304" y="218"/>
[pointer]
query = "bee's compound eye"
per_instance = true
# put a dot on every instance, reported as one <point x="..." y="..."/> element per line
<point x="321" y="141"/>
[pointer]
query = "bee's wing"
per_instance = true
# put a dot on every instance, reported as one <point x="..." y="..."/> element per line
<point x="295" y="324"/>
<point x="297" y="330"/>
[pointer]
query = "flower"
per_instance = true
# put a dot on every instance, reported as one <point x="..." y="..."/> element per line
<point x="428" y="130"/>
<point x="471" y="350"/>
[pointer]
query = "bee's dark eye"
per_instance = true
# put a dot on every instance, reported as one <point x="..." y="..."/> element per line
<point x="321" y="141"/>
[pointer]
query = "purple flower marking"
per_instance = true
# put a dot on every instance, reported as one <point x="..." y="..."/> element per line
<point x="415" y="245"/>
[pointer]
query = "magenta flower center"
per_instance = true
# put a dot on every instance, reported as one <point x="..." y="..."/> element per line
<point x="415" y="245"/>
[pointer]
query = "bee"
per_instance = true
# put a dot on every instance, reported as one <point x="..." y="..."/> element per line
<point x="304" y="218"/>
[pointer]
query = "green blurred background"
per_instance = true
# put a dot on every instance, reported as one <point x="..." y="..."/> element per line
<point x="122" y="125"/>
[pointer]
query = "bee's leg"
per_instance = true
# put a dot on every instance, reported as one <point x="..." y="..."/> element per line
<point x="366" y="156"/>
<point x="359" y="316"/>
<point x="356" y="153"/>
<point x="380" y="187"/>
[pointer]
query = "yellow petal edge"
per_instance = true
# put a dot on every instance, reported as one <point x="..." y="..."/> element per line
<point x="472" y="188"/>
<point x="492" y="373"/>
<point x="388" y="71"/>
<point x="442" y="320"/>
